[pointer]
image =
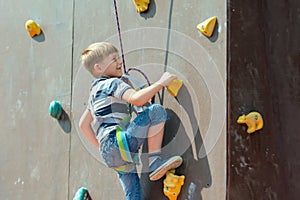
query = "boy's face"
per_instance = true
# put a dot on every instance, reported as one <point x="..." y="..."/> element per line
<point x="111" y="66"/>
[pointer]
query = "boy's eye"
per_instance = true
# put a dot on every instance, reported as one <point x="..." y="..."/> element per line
<point x="116" y="59"/>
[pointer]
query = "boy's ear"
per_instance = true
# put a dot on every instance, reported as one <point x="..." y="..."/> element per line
<point x="98" y="68"/>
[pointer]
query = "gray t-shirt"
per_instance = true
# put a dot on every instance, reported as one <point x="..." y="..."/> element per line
<point x="106" y="104"/>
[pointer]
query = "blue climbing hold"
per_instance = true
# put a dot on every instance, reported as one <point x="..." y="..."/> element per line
<point x="55" y="109"/>
<point x="81" y="194"/>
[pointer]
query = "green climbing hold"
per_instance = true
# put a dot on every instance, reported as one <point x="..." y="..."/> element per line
<point x="81" y="194"/>
<point x="55" y="109"/>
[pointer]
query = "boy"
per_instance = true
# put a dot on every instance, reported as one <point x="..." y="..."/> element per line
<point x="119" y="139"/>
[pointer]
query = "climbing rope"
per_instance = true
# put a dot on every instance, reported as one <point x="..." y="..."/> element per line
<point x="122" y="52"/>
<point x="144" y="75"/>
<point x="121" y="46"/>
<point x="119" y="33"/>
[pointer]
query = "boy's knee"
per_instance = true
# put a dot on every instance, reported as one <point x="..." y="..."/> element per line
<point x="158" y="110"/>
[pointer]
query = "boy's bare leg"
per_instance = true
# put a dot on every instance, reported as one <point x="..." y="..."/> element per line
<point x="155" y="137"/>
<point x="157" y="166"/>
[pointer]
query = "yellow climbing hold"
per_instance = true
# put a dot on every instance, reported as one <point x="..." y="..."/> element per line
<point x="253" y="120"/>
<point x="141" y="5"/>
<point x="207" y="27"/>
<point x="173" y="184"/>
<point x="33" y="28"/>
<point x="174" y="87"/>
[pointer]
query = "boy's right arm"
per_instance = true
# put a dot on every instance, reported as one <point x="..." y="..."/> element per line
<point x="85" y="125"/>
<point x="140" y="97"/>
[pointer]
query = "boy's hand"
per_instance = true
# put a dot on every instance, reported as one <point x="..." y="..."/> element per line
<point x="166" y="79"/>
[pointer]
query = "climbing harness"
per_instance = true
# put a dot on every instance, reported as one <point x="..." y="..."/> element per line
<point x="131" y="158"/>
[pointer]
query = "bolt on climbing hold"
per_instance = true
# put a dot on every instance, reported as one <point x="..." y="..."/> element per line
<point x="33" y="28"/>
<point x="55" y="109"/>
<point x="82" y="194"/>
<point x="141" y="5"/>
<point x="174" y="87"/>
<point x="173" y="184"/>
<point x="207" y="27"/>
<point x="253" y="120"/>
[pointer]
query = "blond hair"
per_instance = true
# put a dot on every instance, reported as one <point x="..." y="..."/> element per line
<point x="95" y="53"/>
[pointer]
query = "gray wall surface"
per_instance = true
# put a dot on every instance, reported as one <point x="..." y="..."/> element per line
<point x="49" y="159"/>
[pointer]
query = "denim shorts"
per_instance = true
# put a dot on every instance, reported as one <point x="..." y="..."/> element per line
<point x="136" y="134"/>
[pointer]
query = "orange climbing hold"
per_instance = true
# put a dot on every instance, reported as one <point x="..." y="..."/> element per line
<point x="207" y="27"/>
<point x="141" y="5"/>
<point x="253" y="120"/>
<point x="174" y="87"/>
<point x="173" y="184"/>
<point x="33" y="28"/>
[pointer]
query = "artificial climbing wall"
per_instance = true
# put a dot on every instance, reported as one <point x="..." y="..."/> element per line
<point x="35" y="150"/>
<point x="42" y="157"/>
<point x="163" y="39"/>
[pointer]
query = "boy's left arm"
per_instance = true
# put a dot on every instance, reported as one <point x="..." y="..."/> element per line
<point x="85" y="125"/>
